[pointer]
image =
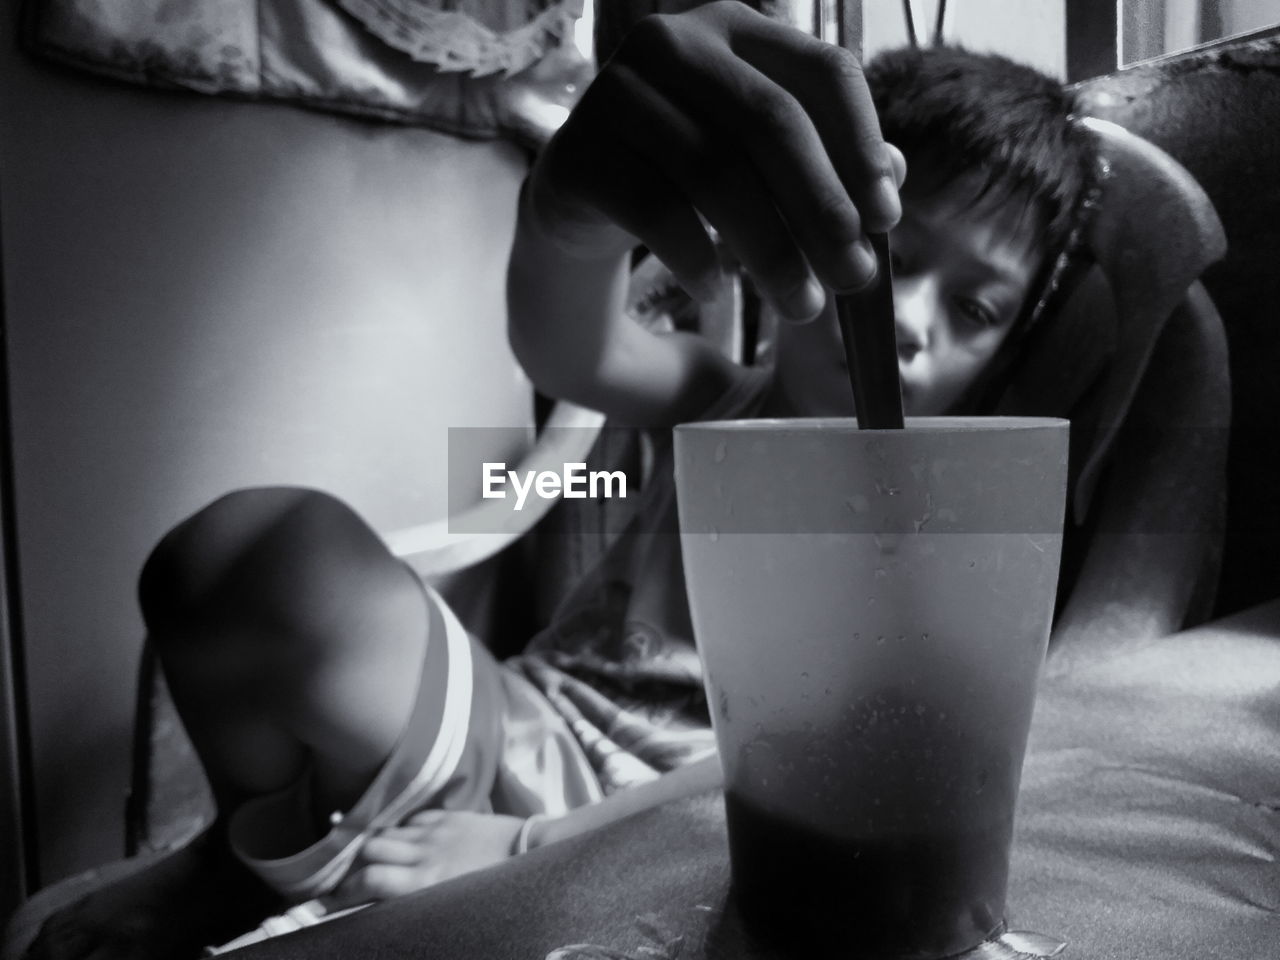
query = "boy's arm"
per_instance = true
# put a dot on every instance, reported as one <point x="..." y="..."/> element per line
<point x="716" y="117"/>
<point x="436" y="845"/>
<point x="686" y="781"/>
<point x="1152" y="565"/>
<point x="570" y="330"/>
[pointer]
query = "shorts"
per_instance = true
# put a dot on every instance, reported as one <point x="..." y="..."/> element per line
<point x="480" y="737"/>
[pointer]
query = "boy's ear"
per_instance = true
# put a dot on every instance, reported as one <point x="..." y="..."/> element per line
<point x="1153" y="232"/>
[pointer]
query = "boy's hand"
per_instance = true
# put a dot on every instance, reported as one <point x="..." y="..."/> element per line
<point x="722" y="114"/>
<point x="431" y="846"/>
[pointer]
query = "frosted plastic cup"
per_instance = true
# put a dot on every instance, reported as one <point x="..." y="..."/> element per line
<point x="872" y="608"/>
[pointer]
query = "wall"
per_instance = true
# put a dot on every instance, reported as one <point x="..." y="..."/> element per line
<point x="203" y="294"/>
<point x="1241" y="16"/>
<point x="1030" y="31"/>
<point x="1152" y="28"/>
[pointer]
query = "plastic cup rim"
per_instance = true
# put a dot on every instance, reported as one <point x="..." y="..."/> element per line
<point x="914" y="425"/>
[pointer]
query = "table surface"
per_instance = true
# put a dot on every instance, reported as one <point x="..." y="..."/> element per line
<point x="1148" y="827"/>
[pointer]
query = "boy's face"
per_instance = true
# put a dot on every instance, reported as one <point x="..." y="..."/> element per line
<point x="961" y="272"/>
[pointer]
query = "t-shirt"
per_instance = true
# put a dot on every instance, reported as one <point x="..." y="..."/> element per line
<point x="618" y="659"/>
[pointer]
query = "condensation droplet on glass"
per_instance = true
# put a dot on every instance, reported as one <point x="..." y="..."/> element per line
<point x="858" y="503"/>
<point x="715" y="534"/>
<point x="722" y="451"/>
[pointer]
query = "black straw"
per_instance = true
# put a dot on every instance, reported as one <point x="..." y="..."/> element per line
<point x="938" y="23"/>
<point x="911" y="23"/>
<point x="866" y="325"/>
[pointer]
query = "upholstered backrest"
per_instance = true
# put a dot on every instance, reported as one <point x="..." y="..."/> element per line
<point x="1152" y="234"/>
<point x="1217" y="112"/>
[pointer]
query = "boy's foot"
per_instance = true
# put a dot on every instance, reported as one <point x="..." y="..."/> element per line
<point x="171" y="908"/>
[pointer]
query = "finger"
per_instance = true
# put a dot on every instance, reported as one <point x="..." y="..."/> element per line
<point x="829" y="82"/>
<point x="747" y="115"/>
<point x="899" y="164"/>
<point x="395" y="849"/>
<point x="722" y="184"/>
<point x="430" y="818"/>
<point x="377" y="881"/>
<point x="631" y="191"/>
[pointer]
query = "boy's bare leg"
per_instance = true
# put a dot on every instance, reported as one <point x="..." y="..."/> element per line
<point x="290" y="639"/>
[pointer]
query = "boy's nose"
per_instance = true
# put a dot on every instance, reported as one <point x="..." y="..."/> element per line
<point x="913" y="316"/>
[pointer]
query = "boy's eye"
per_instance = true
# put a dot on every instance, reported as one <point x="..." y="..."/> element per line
<point x="975" y="313"/>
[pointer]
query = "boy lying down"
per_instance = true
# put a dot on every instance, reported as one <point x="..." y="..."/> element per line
<point x="359" y="744"/>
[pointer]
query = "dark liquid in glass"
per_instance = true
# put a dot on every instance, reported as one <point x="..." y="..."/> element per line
<point x="896" y="897"/>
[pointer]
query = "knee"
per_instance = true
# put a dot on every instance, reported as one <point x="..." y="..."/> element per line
<point x="269" y="555"/>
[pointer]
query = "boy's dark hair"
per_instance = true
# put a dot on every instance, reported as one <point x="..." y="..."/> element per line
<point x="952" y="111"/>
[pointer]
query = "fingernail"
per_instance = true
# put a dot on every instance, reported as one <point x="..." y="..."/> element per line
<point x="706" y="286"/>
<point x="805" y="300"/>
<point x="888" y="207"/>
<point x="862" y="262"/>
<point x="707" y="291"/>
